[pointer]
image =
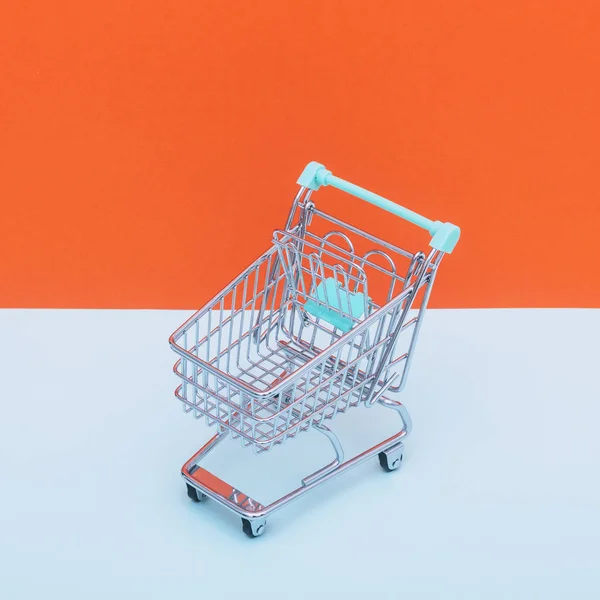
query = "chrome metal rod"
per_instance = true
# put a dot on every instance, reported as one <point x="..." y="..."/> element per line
<point x="339" y="456"/>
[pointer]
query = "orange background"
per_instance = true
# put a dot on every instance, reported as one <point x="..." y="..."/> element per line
<point x="148" y="149"/>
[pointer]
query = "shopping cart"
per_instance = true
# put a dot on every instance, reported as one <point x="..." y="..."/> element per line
<point x="326" y="319"/>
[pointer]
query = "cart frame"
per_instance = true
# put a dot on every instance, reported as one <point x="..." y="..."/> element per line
<point x="271" y="381"/>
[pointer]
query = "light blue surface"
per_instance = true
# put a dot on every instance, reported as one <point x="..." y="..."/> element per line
<point x="337" y="298"/>
<point x="498" y="497"/>
<point x="445" y="235"/>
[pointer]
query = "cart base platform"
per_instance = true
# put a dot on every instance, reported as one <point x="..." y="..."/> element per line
<point x="202" y="484"/>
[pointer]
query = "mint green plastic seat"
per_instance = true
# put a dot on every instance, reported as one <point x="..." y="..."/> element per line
<point x="330" y="292"/>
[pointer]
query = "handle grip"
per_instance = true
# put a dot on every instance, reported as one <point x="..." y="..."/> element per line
<point x="445" y="235"/>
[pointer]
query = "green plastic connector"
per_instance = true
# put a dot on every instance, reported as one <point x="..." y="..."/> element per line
<point x="313" y="176"/>
<point x="445" y="236"/>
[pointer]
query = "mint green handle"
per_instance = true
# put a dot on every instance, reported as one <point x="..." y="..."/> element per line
<point x="445" y="235"/>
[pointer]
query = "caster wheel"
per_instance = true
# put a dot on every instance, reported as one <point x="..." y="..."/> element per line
<point x="194" y="494"/>
<point x="253" y="528"/>
<point x="390" y="461"/>
<point x="287" y="399"/>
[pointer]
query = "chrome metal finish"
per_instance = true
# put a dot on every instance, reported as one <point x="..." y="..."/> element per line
<point x="215" y="488"/>
<point x="255" y="363"/>
<point x="332" y="466"/>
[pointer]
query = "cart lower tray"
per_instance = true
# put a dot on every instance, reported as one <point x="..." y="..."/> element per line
<point x="202" y="484"/>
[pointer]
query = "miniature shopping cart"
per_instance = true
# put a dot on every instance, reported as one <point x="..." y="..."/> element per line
<point x="325" y="320"/>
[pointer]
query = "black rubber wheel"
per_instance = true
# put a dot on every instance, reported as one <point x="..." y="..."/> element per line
<point x="247" y="529"/>
<point x="383" y="461"/>
<point x="192" y="493"/>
